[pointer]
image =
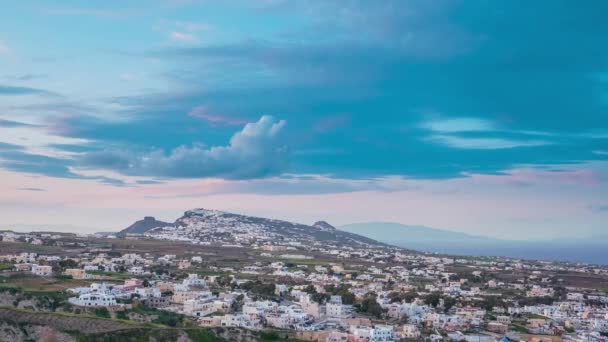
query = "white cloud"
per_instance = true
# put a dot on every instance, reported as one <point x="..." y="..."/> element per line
<point x="483" y="143"/>
<point x="456" y="125"/>
<point x="255" y="151"/>
<point x="37" y="141"/>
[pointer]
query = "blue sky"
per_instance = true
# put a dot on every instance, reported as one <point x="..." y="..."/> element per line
<point x="172" y="104"/>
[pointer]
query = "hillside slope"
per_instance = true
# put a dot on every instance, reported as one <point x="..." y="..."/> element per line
<point x="142" y="226"/>
<point x="213" y="226"/>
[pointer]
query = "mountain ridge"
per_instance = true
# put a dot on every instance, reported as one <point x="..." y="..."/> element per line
<point x="209" y="226"/>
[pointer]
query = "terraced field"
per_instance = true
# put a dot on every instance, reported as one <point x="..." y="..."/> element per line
<point x="64" y="322"/>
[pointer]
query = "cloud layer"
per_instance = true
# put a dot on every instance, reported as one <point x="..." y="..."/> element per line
<point x="255" y="151"/>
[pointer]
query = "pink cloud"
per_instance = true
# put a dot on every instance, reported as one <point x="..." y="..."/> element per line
<point x="525" y="177"/>
<point x="201" y="112"/>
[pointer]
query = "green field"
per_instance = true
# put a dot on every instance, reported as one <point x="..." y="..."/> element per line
<point x="29" y="283"/>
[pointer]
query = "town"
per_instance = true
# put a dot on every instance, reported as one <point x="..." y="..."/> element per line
<point x="302" y="292"/>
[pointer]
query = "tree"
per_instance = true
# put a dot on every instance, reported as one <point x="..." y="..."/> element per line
<point x="310" y="289"/>
<point x="348" y="297"/>
<point x="68" y="263"/>
<point x="370" y="306"/>
<point x="320" y="297"/>
<point x="432" y="299"/>
<point x="102" y="312"/>
<point x="237" y="305"/>
<point x="398" y="297"/>
<point x="448" y="303"/>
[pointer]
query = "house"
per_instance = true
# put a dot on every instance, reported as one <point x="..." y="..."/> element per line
<point x="132" y="284"/>
<point x="409" y="331"/>
<point x="93" y="299"/>
<point x="280" y="289"/>
<point x="199" y="307"/>
<point x="196" y="259"/>
<point x="184" y="264"/>
<point x="136" y="271"/>
<point x="148" y="292"/>
<point x="22" y="267"/>
<point x="179" y="297"/>
<point x="381" y="333"/>
<point x="91" y="268"/>
<point x="77" y="273"/>
<point x="194" y="280"/>
<point x="41" y="270"/>
<point x="157" y="302"/>
<point x="333" y="308"/>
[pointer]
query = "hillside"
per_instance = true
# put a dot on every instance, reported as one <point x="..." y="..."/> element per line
<point x="217" y="227"/>
<point x="143" y="226"/>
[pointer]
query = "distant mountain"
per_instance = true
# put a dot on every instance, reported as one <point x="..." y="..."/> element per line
<point x="427" y="239"/>
<point x="142" y="226"/>
<point x="396" y="232"/>
<point x="58" y="228"/>
<point x="213" y="226"/>
<point x="419" y="237"/>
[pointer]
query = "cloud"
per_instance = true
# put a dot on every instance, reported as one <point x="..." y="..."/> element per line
<point x="24" y="77"/>
<point x="32" y="189"/>
<point x="15" y="90"/>
<point x="202" y="112"/>
<point x="515" y="101"/>
<point x="478" y="134"/>
<point x="21" y="161"/>
<point x="10" y="147"/>
<point x="11" y="123"/>
<point x="255" y="151"/>
<point x="483" y="143"/>
<point x="455" y="125"/>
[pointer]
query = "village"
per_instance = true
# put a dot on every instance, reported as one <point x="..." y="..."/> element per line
<point x="325" y="293"/>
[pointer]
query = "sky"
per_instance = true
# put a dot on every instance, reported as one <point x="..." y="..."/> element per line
<point x="484" y="117"/>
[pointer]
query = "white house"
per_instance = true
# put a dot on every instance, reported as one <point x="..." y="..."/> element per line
<point x="40" y="270"/>
<point x="194" y="280"/>
<point x="93" y="299"/>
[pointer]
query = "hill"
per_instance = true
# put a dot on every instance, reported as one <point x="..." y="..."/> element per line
<point x="142" y="226"/>
<point x="218" y="227"/>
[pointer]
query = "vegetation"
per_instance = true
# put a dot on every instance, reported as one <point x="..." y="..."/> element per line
<point x="398" y="297"/>
<point x="264" y="289"/>
<point x="370" y="306"/>
<point x="343" y="291"/>
<point x="102" y="312"/>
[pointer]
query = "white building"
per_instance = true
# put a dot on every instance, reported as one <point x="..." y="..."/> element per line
<point x="381" y="333"/>
<point x="194" y="280"/>
<point x="94" y="299"/>
<point x="40" y="270"/>
<point x="333" y="308"/>
<point x="136" y="271"/>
